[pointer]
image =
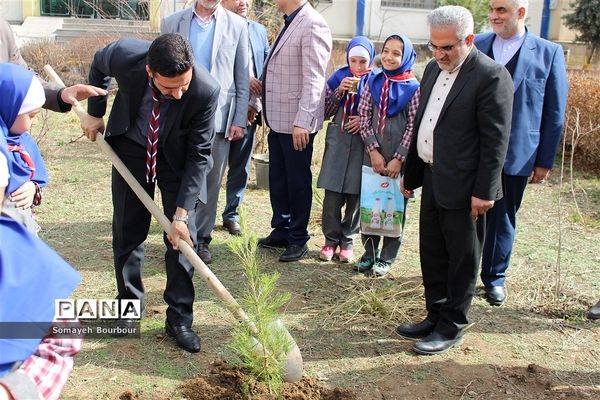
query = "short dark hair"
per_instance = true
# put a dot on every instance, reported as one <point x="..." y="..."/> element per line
<point x="170" y="55"/>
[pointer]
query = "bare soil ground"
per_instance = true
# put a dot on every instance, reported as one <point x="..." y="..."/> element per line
<point x="537" y="346"/>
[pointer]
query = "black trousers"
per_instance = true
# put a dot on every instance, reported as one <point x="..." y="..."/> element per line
<point x="131" y="223"/>
<point x="450" y="245"/>
<point x="290" y="188"/>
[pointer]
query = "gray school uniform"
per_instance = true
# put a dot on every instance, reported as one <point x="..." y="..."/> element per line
<point x="340" y="176"/>
<point x="342" y="159"/>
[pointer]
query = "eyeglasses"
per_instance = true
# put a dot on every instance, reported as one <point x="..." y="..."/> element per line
<point x="443" y="49"/>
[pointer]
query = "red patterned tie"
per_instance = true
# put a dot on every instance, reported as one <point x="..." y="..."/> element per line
<point x="384" y="97"/>
<point x="153" y="126"/>
<point x="17" y="148"/>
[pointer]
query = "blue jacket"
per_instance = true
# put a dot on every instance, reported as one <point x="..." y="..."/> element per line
<point x="540" y="99"/>
<point x="259" y="45"/>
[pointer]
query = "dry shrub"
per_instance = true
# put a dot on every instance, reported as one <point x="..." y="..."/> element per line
<point x="70" y="60"/>
<point x="583" y="116"/>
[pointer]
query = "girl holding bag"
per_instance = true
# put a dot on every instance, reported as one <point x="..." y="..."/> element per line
<point x="387" y="109"/>
<point x="342" y="160"/>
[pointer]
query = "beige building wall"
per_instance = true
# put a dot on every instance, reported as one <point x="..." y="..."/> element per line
<point x="558" y="31"/>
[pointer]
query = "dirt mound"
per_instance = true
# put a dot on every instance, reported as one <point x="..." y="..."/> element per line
<point x="226" y="382"/>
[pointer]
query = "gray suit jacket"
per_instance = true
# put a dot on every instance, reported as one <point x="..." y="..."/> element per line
<point x="229" y="62"/>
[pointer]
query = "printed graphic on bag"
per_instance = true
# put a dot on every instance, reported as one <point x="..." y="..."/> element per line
<point x="381" y="204"/>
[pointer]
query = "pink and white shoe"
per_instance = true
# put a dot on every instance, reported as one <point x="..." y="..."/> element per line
<point x="327" y="253"/>
<point x="346" y="255"/>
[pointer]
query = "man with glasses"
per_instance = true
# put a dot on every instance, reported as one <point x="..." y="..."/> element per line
<point x="462" y="126"/>
<point x="539" y="75"/>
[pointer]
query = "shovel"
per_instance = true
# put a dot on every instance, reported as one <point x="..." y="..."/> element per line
<point x="292" y="371"/>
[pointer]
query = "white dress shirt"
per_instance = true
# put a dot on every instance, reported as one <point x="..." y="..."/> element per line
<point x="432" y="111"/>
<point x="505" y="49"/>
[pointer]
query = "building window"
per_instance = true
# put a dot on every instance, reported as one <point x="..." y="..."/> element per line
<point x="424" y="4"/>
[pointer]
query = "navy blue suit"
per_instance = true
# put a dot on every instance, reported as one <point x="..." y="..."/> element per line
<point x="540" y="98"/>
<point x="240" y="151"/>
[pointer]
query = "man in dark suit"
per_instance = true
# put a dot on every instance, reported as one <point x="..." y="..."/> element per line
<point x="538" y="71"/>
<point x="463" y="123"/>
<point x="161" y="126"/>
<point x="240" y="151"/>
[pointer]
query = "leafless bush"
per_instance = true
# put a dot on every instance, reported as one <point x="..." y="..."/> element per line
<point x="582" y="133"/>
<point x="71" y="60"/>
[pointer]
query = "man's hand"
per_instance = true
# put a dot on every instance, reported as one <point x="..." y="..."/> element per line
<point x="405" y="192"/>
<point x="91" y="126"/>
<point x="377" y="161"/>
<point x="480" y="207"/>
<point x="80" y="92"/>
<point x="252" y="113"/>
<point x="255" y="87"/>
<point x="539" y="174"/>
<point x="235" y="133"/>
<point x="179" y="230"/>
<point x="24" y="195"/>
<point x="353" y="124"/>
<point x="393" y="168"/>
<point x="300" y="138"/>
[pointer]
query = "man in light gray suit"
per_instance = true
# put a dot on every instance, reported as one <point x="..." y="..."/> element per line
<point x="220" y="42"/>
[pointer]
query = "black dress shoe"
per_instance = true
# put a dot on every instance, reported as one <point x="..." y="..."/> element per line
<point x="185" y="337"/>
<point x="293" y="253"/>
<point x="436" y="343"/>
<point x="496" y="295"/>
<point x="233" y="227"/>
<point x="123" y="327"/>
<point x="269" y="242"/>
<point x="594" y="312"/>
<point x="416" y="331"/>
<point x="204" y="253"/>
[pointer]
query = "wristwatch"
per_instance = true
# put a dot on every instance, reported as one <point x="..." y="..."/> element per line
<point x="181" y="218"/>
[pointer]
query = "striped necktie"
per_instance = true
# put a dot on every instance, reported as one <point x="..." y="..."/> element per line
<point x="152" y="147"/>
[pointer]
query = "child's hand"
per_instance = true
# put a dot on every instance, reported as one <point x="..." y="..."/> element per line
<point x="353" y="124"/>
<point x="393" y="168"/>
<point x="345" y="85"/>
<point x="23" y="196"/>
<point x="377" y="161"/>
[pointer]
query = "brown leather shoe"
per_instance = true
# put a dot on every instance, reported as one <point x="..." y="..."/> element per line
<point x="233" y="227"/>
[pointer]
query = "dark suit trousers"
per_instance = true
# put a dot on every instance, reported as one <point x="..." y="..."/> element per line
<point x="131" y="222"/>
<point x="450" y="250"/>
<point x="290" y="188"/>
<point x="238" y="173"/>
<point x="500" y="231"/>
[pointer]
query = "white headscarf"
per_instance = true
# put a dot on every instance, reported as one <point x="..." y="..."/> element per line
<point x="35" y="97"/>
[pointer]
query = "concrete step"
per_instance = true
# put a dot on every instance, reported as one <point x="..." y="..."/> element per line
<point x="65" y="36"/>
<point x="88" y="23"/>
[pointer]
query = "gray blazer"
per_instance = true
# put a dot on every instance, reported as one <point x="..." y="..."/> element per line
<point x="229" y="62"/>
